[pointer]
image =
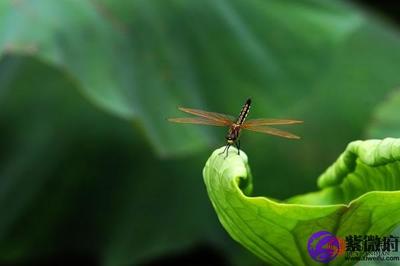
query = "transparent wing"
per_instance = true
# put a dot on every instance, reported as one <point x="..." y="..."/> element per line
<point x="273" y="131"/>
<point x="268" y="122"/>
<point x="221" y="118"/>
<point x="198" y="121"/>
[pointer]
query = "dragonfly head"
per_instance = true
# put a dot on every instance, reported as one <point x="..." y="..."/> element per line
<point x="230" y="138"/>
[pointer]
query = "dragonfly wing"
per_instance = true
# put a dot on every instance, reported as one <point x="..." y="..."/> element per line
<point x="273" y="131"/>
<point x="268" y="122"/>
<point x="222" y="118"/>
<point x="197" y="120"/>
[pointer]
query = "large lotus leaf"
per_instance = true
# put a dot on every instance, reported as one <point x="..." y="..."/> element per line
<point x="360" y="195"/>
<point x="138" y="60"/>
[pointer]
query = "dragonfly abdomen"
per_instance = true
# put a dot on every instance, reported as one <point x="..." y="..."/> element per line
<point x="244" y="112"/>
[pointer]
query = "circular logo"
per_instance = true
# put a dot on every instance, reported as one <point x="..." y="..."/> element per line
<point x="323" y="246"/>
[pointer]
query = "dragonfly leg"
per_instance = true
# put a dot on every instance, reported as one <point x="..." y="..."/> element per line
<point x="238" y="146"/>
<point x="226" y="147"/>
<point x="225" y="150"/>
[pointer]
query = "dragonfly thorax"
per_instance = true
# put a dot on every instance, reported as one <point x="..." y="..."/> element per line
<point x="233" y="133"/>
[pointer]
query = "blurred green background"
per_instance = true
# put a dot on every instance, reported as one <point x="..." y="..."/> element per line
<point x="90" y="170"/>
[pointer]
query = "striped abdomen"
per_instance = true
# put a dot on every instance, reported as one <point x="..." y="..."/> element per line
<point x="245" y="111"/>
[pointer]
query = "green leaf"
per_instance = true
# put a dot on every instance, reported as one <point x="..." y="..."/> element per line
<point x="133" y="63"/>
<point x="358" y="196"/>
<point x="385" y="122"/>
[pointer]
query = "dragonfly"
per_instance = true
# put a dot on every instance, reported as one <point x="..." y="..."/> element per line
<point x="236" y="125"/>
